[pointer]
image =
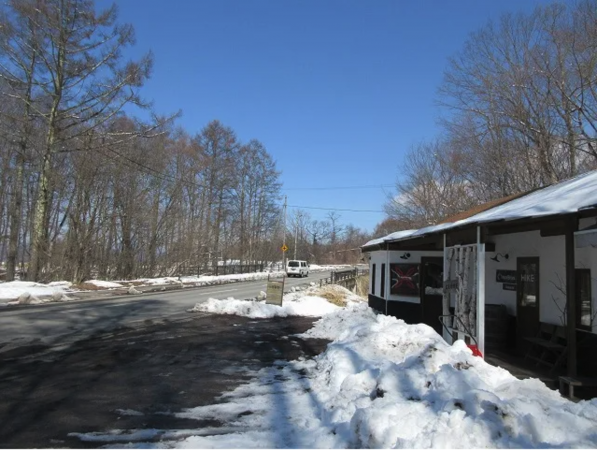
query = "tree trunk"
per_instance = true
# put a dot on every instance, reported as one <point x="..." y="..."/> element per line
<point x="15" y="220"/>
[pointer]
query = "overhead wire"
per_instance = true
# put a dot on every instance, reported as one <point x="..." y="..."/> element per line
<point x="370" y="186"/>
<point x="165" y="177"/>
<point x="337" y="209"/>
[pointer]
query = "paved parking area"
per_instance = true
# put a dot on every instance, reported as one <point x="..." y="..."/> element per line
<point x="150" y="369"/>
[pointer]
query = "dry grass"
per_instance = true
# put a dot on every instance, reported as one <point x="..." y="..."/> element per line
<point x="362" y="286"/>
<point x="84" y="286"/>
<point x="333" y="295"/>
<point x="87" y="287"/>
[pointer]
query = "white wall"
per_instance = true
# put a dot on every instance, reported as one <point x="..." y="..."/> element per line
<point x="389" y="257"/>
<point x="552" y="271"/>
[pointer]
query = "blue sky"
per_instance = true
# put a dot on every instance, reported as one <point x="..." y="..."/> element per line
<point x="337" y="91"/>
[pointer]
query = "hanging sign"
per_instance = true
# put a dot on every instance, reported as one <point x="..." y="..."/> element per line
<point x="450" y="285"/>
<point x="505" y="276"/>
<point x="509" y="286"/>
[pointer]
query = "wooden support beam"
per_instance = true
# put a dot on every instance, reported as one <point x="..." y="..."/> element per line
<point x="428" y="243"/>
<point x="572" y="226"/>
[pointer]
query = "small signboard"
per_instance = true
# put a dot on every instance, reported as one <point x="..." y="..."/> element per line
<point x="284" y="248"/>
<point x="509" y="286"/>
<point x="275" y="292"/>
<point x="505" y="276"/>
<point x="450" y="285"/>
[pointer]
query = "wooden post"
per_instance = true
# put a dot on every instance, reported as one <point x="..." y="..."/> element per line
<point x="446" y="294"/>
<point x="480" y="293"/>
<point x="571" y="227"/>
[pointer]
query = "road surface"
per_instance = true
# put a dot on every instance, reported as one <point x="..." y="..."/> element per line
<point x="63" y="323"/>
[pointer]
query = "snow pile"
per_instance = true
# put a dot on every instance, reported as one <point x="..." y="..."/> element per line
<point x="307" y="303"/>
<point x="384" y="384"/>
<point x="157" y="281"/>
<point x="318" y="268"/>
<point x="207" y="280"/>
<point x="12" y="291"/>
<point x="30" y="291"/>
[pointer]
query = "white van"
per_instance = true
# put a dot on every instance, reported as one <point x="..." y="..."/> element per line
<point x="296" y="268"/>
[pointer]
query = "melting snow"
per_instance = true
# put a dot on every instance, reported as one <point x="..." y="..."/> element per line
<point x="380" y="383"/>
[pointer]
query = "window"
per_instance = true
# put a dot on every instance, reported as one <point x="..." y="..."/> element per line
<point x="528" y="272"/>
<point x="293" y="264"/>
<point x="373" y="280"/>
<point x="383" y="281"/>
<point x="584" y="310"/>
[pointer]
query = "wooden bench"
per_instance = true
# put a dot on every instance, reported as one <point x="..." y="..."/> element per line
<point x="548" y="347"/>
<point x="573" y="382"/>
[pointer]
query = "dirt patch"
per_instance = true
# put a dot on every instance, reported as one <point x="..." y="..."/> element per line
<point x="87" y="287"/>
<point x="129" y="379"/>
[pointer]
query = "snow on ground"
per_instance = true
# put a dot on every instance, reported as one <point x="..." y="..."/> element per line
<point x="37" y="291"/>
<point x="28" y="291"/>
<point x="380" y="383"/>
<point x="294" y="304"/>
<point x="203" y="280"/>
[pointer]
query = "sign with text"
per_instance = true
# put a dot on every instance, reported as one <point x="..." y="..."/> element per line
<point x="509" y="286"/>
<point x="275" y="292"/>
<point x="505" y="276"/>
<point x="450" y="285"/>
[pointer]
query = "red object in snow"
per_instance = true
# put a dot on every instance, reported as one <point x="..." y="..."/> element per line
<point x="475" y="350"/>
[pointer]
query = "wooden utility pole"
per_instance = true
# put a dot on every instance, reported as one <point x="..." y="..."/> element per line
<point x="298" y="218"/>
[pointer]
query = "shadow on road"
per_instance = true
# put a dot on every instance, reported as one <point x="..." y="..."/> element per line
<point x="128" y="378"/>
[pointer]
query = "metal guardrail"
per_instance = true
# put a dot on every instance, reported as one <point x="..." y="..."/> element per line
<point x="343" y="277"/>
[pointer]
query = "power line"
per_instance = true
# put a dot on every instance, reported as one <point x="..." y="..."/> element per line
<point x="370" y="186"/>
<point x="148" y="170"/>
<point x="337" y="209"/>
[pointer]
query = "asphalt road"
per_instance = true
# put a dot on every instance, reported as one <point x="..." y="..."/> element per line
<point x="63" y="323"/>
<point x="155" y="371"/>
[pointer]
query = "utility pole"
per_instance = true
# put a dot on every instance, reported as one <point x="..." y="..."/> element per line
<point x="284" y="235"/>
<point x="298" y="218"/>
<point x="295" y="237"/>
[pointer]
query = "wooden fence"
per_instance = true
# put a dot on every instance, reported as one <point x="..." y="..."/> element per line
<point x="237" y="268"/>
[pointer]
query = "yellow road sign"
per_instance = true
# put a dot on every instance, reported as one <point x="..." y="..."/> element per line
<point x="284" y="248"/>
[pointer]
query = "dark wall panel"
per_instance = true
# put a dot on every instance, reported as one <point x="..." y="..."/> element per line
<point x="378" y="304"/>
<point x="411" y="313"/>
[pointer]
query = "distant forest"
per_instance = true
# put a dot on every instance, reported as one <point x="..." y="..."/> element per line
<point x="88" y="190"/>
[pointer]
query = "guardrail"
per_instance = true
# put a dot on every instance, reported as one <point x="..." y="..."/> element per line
<point x="346" y="278"/>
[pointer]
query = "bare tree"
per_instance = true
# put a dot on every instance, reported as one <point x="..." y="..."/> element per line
<point x="433" y="188"/>
<point x="80" y="81"/>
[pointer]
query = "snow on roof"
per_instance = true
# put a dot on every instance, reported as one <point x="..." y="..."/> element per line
<point x="568" y="196"/>
<point x="397" y="235"/>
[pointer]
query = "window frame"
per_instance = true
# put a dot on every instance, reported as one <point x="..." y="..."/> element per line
<point x="578" y="274"/>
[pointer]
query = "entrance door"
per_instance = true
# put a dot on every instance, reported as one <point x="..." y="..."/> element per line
<point x="527" y="301"/>
<point x="431" y="282"/>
